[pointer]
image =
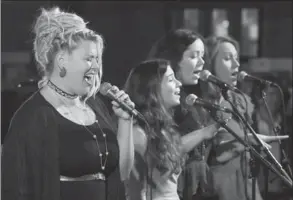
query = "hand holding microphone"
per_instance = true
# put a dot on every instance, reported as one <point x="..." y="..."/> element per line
<point x="121" y="96"/>
<point x="123" y="107"/>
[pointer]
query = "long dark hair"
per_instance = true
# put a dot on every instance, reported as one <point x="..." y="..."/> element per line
<point x="172" y="46"/>
<point x="143" y="87"/>
<point x="213" y="93"/>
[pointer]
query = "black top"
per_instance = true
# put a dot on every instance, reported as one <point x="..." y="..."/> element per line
<point x="191" y="118"/>
<point x="79" y="153"/>
<point x="41" y="145"/>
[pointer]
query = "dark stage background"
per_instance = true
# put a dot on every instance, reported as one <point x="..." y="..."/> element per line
<point x="130" y="29"/>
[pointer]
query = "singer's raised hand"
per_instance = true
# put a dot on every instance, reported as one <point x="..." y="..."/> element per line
<point x="123" y="97"/>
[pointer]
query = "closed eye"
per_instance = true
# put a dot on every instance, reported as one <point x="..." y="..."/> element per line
<point x="196" y="54"/>
<point x="91" y="58"/>
<point x="171" y="79"/>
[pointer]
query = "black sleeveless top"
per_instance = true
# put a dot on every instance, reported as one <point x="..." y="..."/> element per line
<point x="42" y="144"/>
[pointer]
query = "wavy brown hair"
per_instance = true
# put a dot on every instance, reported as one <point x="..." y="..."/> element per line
<point x="172" y="46"/>
<point x="212" y="47"/>
<point x="212" y="92"/>
<point x="143" y="87"/>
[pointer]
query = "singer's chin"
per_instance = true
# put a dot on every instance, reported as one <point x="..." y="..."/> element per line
<point x="87" y="91"/>
<point x="194" y="81"/>
<point x="234" y="83"/>
<point x="177" y="101"/>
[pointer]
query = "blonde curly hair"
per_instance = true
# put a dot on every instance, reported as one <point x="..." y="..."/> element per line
<point x="57" y="30"/>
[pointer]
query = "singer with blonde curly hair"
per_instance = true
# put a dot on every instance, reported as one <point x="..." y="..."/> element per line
<point x="62" y="143"/>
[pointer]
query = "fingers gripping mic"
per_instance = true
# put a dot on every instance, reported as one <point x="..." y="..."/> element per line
<point x="192" y="99"/>
<point x="106" y="90"/>
<point x="242" y="76"/>
<point x="206" y="75"/>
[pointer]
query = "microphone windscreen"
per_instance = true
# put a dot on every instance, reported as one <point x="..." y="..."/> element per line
<point x="241" y="76"/>
<point x="105" y="87"/>
<point x="190" y="99"/>
<point x="204" y="75"/>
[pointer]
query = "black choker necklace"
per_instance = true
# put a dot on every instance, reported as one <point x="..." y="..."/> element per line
<point x="61" y="92"/>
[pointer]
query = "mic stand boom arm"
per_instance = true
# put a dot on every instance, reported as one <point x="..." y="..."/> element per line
<point x="263" y="96"/>
<point x="258" y="140"/>
<point x="254" y="152"/>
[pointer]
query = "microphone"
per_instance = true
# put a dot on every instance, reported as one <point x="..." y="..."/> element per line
<point x="206" y="75"/>
<point x="192" y="99"/>
<point x="106" y="90"/>
<point x="242" y="76"/>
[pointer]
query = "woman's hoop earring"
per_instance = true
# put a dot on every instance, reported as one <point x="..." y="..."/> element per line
<point x="62" y="72"/>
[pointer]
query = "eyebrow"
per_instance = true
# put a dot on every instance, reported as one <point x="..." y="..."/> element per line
<point x="230" y="52"/>
<point x="196" y="51"/>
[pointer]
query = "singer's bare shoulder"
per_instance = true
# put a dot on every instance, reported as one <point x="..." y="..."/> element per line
<point x="139" y="139"/>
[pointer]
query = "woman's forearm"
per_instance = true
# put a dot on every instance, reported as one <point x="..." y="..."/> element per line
<point x="126" y="147"/>
<point x="232" y="148"/>
<point x="251" y="140"/>
<point x="194" y="138"/>
<point x="229" y="150"/>
<point x="191" y="140"/>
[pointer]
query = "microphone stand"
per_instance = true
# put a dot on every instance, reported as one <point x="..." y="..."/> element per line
<point x="254" y="165"/>
<point x="275" y="129"/>
<point x="281" y="173"/>
<point x="252" y="150"/>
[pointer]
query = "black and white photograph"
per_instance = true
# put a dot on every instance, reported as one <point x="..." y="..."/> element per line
<point x="146" y="100"/>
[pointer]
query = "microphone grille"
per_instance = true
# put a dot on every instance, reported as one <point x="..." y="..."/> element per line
<point x="204" y="75"/>
<point x="190" y="99"/>
<point x="241" y="76"/>
<point x="105" y="87"/>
